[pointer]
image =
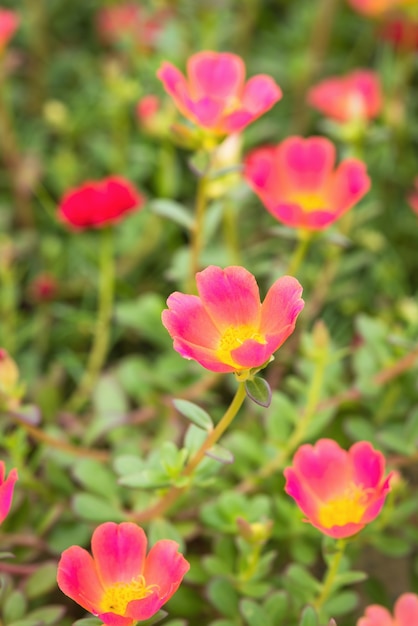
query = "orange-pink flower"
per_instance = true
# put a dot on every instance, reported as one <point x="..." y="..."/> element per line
<point x="120" y="583"/>
<point x="355" y="96"/>
<point x="405" y="613"/>
<point x="338" y="491"/>
<point x="226" y="328"/>
<point x="375" y="8"/>
<point x="413" y="197"/>
<point x="215" y="96"/>
<point x="9" y="21"/>
<point x="6" y="490"/>
<point x="297" y="182"/>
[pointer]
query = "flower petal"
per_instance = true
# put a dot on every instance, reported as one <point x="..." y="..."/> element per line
<point x="205" y="356"/>
<point x="376" y="615"/>
<point x="218" y="75"/>
<point x="141" y="610"/>
<point x="281" y="306"/>
<point x="175" y="85"/>
<point x="77" y="578"/>
<point x="6" y="492"/>
<point x="368" y="464"/>
<point x="187" y="319"/>
<point x="119" y="552"/>
<point x="260" y="94"/>
<point x="165" y="567"/>
<point x="230" y="296"/>
<point x="406" y="610"/>
<point x="112" y="619"/>
<point x="305" y="163"/>
<point x="349" y="184"/>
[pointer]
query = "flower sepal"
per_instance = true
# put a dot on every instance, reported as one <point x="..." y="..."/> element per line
<point x="258" y="390"/>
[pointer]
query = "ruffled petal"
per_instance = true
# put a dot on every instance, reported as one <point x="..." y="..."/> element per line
<point x="261" y="173"/>
<point x="6" y="492"/>
<point x="299" y="490"/>
<point x="368" y="464"/>
<point x="119" y="552"/>
<point x="305" y="164"/>
<point x="187" y="319"/>
<point x="165" y="567"/>
<point x="349" y="184"/>
<point x="281" y="306"/>
<point x="77" y="578"/>
<point x="175" y="85"/>
<point x="230" y="296"/>
<point x="205" y="356"/>
<point x="218" y="75"/>
<point x="260" y="94"/>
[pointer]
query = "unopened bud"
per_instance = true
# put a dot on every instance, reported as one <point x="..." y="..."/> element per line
<point x="258" y="532"/>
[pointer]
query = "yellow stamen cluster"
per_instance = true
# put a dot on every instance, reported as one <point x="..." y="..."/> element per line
<point x="234" y="337"/>
<point x="309" y="201"/>
<point x="347" y="508"/>
<point x="118" y="595"/>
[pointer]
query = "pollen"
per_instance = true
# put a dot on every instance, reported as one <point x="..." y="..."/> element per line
<point x="117" y="597"/>
<point x="309" y="201"/>
<point x="234" y="337"/>
<point x="347" y="508"/>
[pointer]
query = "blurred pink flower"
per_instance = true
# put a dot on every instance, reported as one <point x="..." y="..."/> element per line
<point x="226" y="328"/>
<point x="405" y="613"/>
<point x="121" y="584"/>
<point x="147" y="107"/>
<point x="375" y="8"/>
<point x="43" y="288"/>
<point x="356" y="95"/>
<point x="9" y="21"/>
<point x="99" y="203"/>
<point x="338" y="491"/>
<point x="6" y="490"/>
<point x="130" y="20"/>
<point x="413" y="197"/>
<point x="297" y="183"/>
<point x="215" y="96"/>
<point x="401" y="31"/>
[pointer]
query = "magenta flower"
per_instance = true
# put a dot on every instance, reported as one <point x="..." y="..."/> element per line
<point x="6" y="490"/>
<point x="405" y="613"/>
<point x="338" y="491"/>
<point x="99" y="203"/>
<point x="297" y="183"/>
<point x="413" y="197"/>
<point x="226" y="328"/>
<point x="215" y="95"/>
<point x="355" y="96"/>
<point x="9" y="22"/>
<point x="120" y="583"/>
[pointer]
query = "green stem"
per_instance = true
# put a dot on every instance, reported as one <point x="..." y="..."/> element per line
<point x="197" y="232"/>
<point x="331" y="575"/>
<point x="102" y="332"/>
<point x="174" y="493"/>
<point x="299" y="253"/>
<point x="231" y="231"/>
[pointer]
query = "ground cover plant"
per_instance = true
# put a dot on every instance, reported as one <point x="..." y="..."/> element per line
<point x="208" y="330"/>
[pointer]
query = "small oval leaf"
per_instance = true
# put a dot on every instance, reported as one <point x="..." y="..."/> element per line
<point x="258" y="390"/>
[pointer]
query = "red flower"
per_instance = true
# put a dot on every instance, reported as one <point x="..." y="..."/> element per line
<point x="413" y="197"/>
<point x="9" y="21"/>
<point x="338" y="491"/>
<point x="297" y="183"/>
<point x="402" y="32"/>
<point x="99" y="203"/>
<point x="120" y="583"/>
<point x="356" y="95"/>
<point x="215" y="95"/>
<point x="6" y="490"/>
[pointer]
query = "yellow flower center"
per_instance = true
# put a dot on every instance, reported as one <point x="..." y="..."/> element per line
<point x="345" y="509"/>
<point x="309" y="201"/>
<point x="234" y="337"/>
<point x="118" y="595"/>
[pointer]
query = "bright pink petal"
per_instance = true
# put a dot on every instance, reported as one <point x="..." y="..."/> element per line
<point x="175" y="85"/>
<point x="230" y="296"/>
<point x="218" y="75"/>
<point x="376" y="615"/>
<point x="143" y="609"/>
<point x="235" y="122"/>
<point x="206" y="111"/>
<point x="299" y="490"/>
<point x="281" y="306"/>
<point x="6" y="491"/>
<point x="9" y="21"/>
<point x="260" y="94"/>
<point x="339" y="532"/>
<point x="350" y="183"/>
<point x="111" y="619"/>
<point x="305" y="163"/>
<point x="251" y="354"/>
<point x="187" y="319"/>
<point x="260" y="172"/>
<point x="325" y="467"/>
<point x="77" y="578"/>
<point x="406" y="610"/>
<point x="205" y="356"/>
<point x="165" y="567"/>
<point x="294" y="215"/>
<point x="368" y="464"/>
<point x="119" y="552"/>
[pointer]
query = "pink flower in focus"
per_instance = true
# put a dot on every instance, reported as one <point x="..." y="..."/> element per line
<point x="405" y="613"/>
<point x="9" y="21"/>
<point x="129" y="20"/>
<point x="99" y="203"/>
<point x="120" y="583"/>
<point x="215" y="96"/>
<point x="338" y="491"/>
<point x="354" y="96"/>
<point x="6" y="490"/>
<point x="413" y="197"/>
<point x="297" y="183"/>
<point x="226" y="328"/>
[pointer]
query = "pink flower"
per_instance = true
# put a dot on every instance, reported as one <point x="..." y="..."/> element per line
<point x="9" y="21"/>
<point x="99" y="203"/>
<point x="214" y="95"/>
<point x="356" y="95"/>
<point x="129" y="20"/>
<point x="120" y="583"/>
<point x="338" y="491"/>
<point x="297" y="183"/>
<point x="6" y="490"/>
<point x="226" y="328"/>
<point x="147" y="107"/>
<point x="405" y="613"/>
<point x="375" y="8"/>
<point x="413" y="197"/>
<point x="401" y="31"/>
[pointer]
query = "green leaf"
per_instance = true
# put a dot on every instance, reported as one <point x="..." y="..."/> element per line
<point x="146" y="479"/>
<point x="253" y="613"/>
<point x="348" y="578"/>
<point x="258" y="390"/>
<point x="342" y="603"/>
<point x="95" y="509"/>
<point x="194" y="413"/>
<point x="194" y="439"/>
<point x="14" y="607"/>
<point x="308" y="617"/>
<point x="276" y="607"/>
<point x="218" y="453"/>
<point x="88" y="621"/>
<point x="95" y="477"/>
<point x="174" y="211"/>
<point x="223" y="596"/>
<point x="162" y="529"/>
<point x="41" y="581"/>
